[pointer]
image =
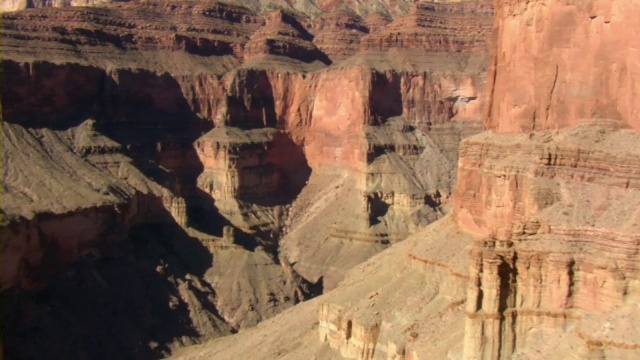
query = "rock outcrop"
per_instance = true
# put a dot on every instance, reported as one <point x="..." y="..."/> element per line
<point x="229" y="165"/>
<point x="464" y="27"/>
<point x="555" y="238"/>
<point x="14" y="5"/>
<point x="406" y="302"/>
<point x="338" y="33"/>
<point x="558" y="247"/>
<point x="559" y="244"/>
<point x="307" y="8"/>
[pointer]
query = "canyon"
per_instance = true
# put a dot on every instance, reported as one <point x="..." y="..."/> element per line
<point x="320" y="179"/>
<point x="180" y="171"/>
<point x="538" y="257"/>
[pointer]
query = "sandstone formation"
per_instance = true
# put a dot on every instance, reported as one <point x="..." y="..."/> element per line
<point x="311" y="8"/>
<point x="406" y="302"/>
<point x="437" y="27"/>
<point x="600" y="34"/>
<point x="557" y="236"/>
<point x="227" y="163"/>
<point x="338" y="33"/>
<point x="539" y="258"/>
<point x="559" y="217"/>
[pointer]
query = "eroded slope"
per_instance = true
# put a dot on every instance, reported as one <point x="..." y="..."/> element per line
<point x="539" y="257"/>
<point x="230" y="164"/>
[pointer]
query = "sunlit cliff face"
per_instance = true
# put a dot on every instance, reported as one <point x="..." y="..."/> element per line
<point x="238" y="161"/>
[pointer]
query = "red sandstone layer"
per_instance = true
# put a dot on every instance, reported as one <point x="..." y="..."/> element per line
<point x="177" y="90"/>
<point x="580" y="58"/>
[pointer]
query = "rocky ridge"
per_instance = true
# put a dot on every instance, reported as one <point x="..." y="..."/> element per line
<point x="308" y="8"/>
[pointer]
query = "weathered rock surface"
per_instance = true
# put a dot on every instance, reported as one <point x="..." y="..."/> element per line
<point x="74" y="226"/>
<point x="559" y="239"/>
<point x="139" y="297"/>
<point x="14" y="5"/>
<point x="539" y="258"/>
<point x="541" y="43"/>
<point x="230" y="164"/>
<point x="558" y="246"/>
<point x="308" y="8"/>
<point x="405" y="302"/>
<point x="464" y="27"/>
<point x="338" y="33"/>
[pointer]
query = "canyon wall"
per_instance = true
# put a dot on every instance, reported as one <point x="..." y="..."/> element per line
<point x="15" y="5"/>
<point x="557" y="248"/>
<point x="545" y="206"/>
<point x="556" y="210"/>
<point x="239" y="162"/>
<point x="581" y="58"/>
<point x="310" y="8"/>
<point x="276" y="152"/>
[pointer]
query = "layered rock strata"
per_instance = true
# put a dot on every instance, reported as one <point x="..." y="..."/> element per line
<point x="283" y="35"/>
<point x="555" y="243"/>
<point x="308" y="8"/>
<point x="243" y="98"/>
<point x="539" y="257"/>
<point x="555" y="256"/>
<point x="557" y="246"/>
<point x="393" y="320"/>
<point x="437" y="27"/>
<point x="222" y="126"/>
<point x="406" y="302"/>
<point x="338" y="33"/>
<point x="250" y="174"/>
<point x="14" y="5"/>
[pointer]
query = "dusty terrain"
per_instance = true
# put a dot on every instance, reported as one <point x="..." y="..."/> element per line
<point x="396" y="303"/>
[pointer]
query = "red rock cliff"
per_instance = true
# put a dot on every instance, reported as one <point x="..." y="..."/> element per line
<point x="557" y="252"/>
<point x="248" y="135"/>
<point x="546" y="203"/>
<point x="581" y="58"/>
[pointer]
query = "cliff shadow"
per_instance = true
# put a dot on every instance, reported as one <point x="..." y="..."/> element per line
<point x="129" y="299"/>
<point x="158" y="133"/>
<point x="291" y="168"/>
<point x="250" y="102"/>
<point x="377" y="207"/>
<point x="203" y="214"/>
<point x="386" y="96"/>
<point x="42" y="94"/>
